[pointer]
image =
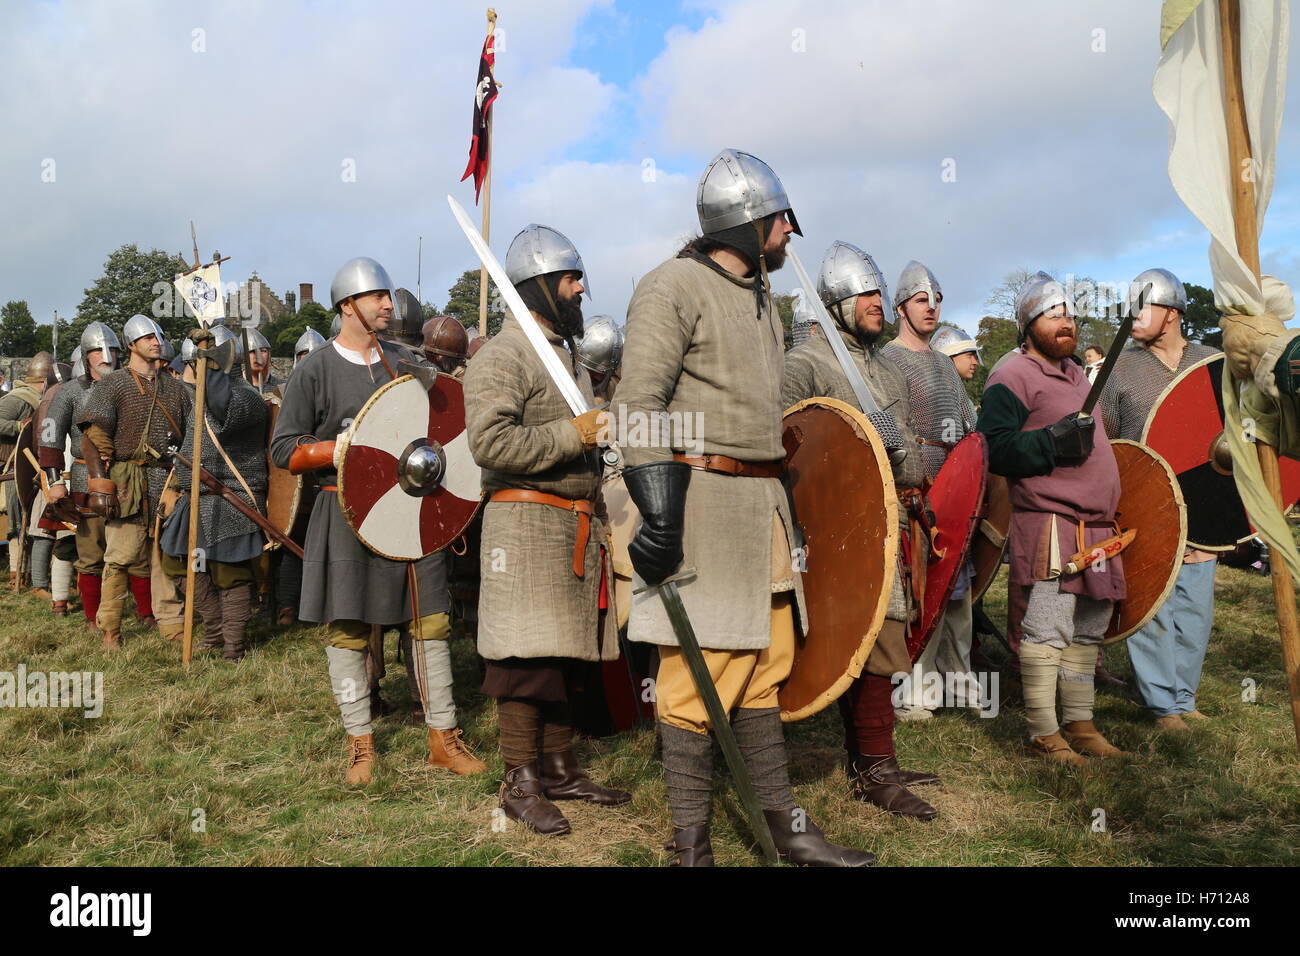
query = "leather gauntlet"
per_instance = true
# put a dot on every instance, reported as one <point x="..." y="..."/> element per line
<point x="311" y="456"/>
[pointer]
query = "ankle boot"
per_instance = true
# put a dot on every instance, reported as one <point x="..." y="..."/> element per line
<point x="43" y="594"/>
<point x="875" y="780"/>
<point x="112" y="640"/>
<point x="690" y="846"/>
<point x="59" y="608"/>
<point x="1083" y="736"/>
<point x="800" y="842"/>
<point x="447" y="749"/>
<point x="522" y="800"/>
<point x="563" y="779"/>
<point x="361" y="760"/>
<point x="1055" y="748"/>
<point x="287" y="617"/>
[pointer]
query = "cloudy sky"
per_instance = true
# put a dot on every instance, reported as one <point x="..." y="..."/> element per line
<point x="244" y="115"/>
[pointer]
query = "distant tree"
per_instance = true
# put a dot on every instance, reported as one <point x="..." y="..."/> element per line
<point x="462" y="302"/>
<point x="134" y="282"/>
<point x="428" y="310"/>
<point x="284" y="333"/>
<point x="1001" y="302"/>
<point x="1201" y="323"/>
<point x="17" y="330"/>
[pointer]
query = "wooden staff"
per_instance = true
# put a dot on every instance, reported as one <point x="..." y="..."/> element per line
<point x="1240" y="158"/>
<point x="196" y="458"/>
<point x="487" y="202"/>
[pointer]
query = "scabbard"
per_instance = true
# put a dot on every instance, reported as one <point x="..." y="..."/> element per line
<point x="242" y="506"/>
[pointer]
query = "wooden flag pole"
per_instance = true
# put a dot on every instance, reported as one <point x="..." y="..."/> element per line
<point x="196" y="459"/>
<point x="487" y="203"/>
<point x="1247" y="235"/>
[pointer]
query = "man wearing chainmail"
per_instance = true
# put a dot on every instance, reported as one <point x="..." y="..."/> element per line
<point x="17" y="408"/>
<point x="260" y="374"/>
<point x="1168" y="653"/>
<point x="54" y="546"/>
<point x="99" y="356"/>
<point x="346" y="586"/>
<point x="234" y="452"/>
<point x="704" y="344"/>
<point x="854" y="291"/>
<point x="942" y="414"/>
<point x="131" y="416"/>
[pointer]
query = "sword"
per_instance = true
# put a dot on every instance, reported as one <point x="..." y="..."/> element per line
<point x="866" y="401"/>
<point x="1103" y="373"/>
<point x="515" y="303"/>
<point x="718" y="717"/>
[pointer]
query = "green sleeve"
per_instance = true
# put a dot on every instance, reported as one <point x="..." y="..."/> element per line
<point x="1013" y="453"/>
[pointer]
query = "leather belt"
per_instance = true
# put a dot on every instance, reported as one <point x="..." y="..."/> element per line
<point x="723" y="465"/>
<point x="333" y="488"/>
<point x="581" y="506"/>
<point x="946" y="446"/>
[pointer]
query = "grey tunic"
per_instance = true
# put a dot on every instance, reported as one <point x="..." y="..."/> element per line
<point x="65" y="408"/>
<point x="812" y="370"/>
<point x="1135" y="383"/>
<point x="342" y="578"/>
<point x="531" y="604"/>
<point x="696" y="349"/>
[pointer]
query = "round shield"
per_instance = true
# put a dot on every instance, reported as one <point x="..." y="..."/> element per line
<point x="26" y="479"/>
<point x="843" y="500"/>
<point x="289" y="497"/>
<point x="1150" y="503"/>
<point x="956" y="500"/>
<point x="991" y="536"/>
<point x="408" y="485"/>
<point x="624" y="520"/>
<point x="1185" y="428"/>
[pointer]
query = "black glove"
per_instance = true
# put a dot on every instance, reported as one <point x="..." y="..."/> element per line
<point x="659" y="492"/>
<point x="1072" y="438"/>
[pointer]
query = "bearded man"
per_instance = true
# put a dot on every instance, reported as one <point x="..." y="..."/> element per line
<point x="854" y="291"/>
<point x="544" y="568"/>
<point x="129" y="420"/>
<point x="941" y="415"/>
<point x="1169" y="652"/>
<point x="1063" y="484"/>
<point x="346" y="586"/>
<point x="704" y="343"/>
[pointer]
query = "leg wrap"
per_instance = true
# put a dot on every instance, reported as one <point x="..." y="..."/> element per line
<point x="351" y="689"/>
<point x="1039" y="667"/>
<point x="762" y="744"/>
<point x="688" y="774"/>
<point x="1075" y="682"/>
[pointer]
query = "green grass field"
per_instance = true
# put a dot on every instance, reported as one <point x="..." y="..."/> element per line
<point x="258" y="749"/>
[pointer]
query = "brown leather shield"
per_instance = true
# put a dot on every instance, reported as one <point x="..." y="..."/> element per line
<point x="1185" y="428"/>
<point x="956" y="500"/>
<point x="289" y="497"/>
<point x="408" y="485"/>
<point x="26" y="479"/>
<point x="1150" y="503"/>
<point x="990" y="536"/>
<point x="843" y="499"/>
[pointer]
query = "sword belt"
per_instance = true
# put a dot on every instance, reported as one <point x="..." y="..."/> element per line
<point x="723" y="465"/>
<point x="946" y="446"/>
<point x="581" y="506"/>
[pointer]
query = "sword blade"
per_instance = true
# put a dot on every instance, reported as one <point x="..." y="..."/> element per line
<point x="1103" y="373"/>
<point x="515" y="303"/>
<point x="866" y="400"/>
<point x="718" y="717"/>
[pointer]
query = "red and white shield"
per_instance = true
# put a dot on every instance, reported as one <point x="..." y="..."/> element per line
<point x="408" y="485"/>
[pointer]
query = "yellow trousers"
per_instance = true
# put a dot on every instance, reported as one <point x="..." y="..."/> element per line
<point x="743" y="678"/>
<point x="355" y="635"/>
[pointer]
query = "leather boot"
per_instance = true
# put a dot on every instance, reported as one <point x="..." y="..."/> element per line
<point x="690" y="846"/>
<point x="800" y="842"/>
<point x="287" y="617"/>
<point x="447" y="749"/>
<point x="361" y="760"/>
<point x="59" y="608"/>
<point x="563" y="779"/>
<point x="43" y="594"/>
<point x="522" y="800"/>
<point x="112" y="640"/>
<point x="1084" y="737"/>
<point x="1054" y="747"/>
<point x="1172" y="722"/>
<point x="876" y="780"/>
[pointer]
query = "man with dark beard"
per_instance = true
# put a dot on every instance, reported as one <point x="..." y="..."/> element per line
<point x="704" y="344"/>
<point x="854" y="290"/>
<point x="544" y="557"/>
<point x="1064" y="489"/>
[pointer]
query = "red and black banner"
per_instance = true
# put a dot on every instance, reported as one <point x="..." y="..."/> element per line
<point x="485" y="93"/>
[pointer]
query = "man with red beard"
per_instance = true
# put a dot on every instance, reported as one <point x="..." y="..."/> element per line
<point x="1064" y="488"/>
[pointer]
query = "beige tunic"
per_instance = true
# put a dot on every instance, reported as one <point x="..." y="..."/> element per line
<point x="531" y="604"/>
<point x="696" y="349"/>
<point x="811" y="370"/>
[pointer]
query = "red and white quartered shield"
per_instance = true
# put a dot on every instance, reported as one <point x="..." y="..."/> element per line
<point x="408" y="485"/>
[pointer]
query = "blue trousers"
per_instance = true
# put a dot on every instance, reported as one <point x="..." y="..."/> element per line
<point x="1168" y="653"/>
